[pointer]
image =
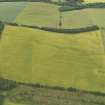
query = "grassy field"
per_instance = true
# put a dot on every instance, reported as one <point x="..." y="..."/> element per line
<point x="9" y="10"/>
<point x="97" y="16"/>
<point x="40" y="14"/>
<point x="46" y="16"/>
<point x="43" y="14"/>
<point x="44" y="57"/>
<point x="70" y="19"/>
<point x="93" y="1"/>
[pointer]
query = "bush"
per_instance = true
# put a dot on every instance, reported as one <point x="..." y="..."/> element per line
<point x="78" y="30"/>
<point x="1" y="27"/>
<point x="2" y="100"/>
<point x="6" y="85"/>
<point x="25" y="0"/>
<point x="69" y="7"/>
<point x="58" y="30"/>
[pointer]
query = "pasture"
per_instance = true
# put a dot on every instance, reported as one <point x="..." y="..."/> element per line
<point x="97" y="16"/>
<point x="9" y="10"/>
<point x="40" y="14"/>
<point x="43" y="14"/>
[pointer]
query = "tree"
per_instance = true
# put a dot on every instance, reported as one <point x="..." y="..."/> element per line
<point x="60" y="17"/>
<point x="75" y="1"/>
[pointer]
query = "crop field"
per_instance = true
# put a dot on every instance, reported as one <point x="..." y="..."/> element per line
<point x="70" y="19"/>
<point x="46" y="58"/>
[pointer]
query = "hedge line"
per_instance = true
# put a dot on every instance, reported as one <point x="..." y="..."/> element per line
<point x="73" y="31"/>
<point x="82" y="6"/>
<point x="25" y="0"/>
<point x="2" y="98"/>
<point x="46" y="1"/>
<point x="43" y="1"/>
<point x="59" y="30"/>
<point x="7" y="85"/>
<point x="1" y="26"/>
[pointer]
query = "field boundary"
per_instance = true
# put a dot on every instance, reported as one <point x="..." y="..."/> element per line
<point x="66" y="8"/>
<point x="58" y="30"/>
<point x="6" y="85"/>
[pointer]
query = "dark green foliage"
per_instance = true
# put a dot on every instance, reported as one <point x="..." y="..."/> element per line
<point x="25" y="0"/>
<point x="73" y="89"/>
<point x="60" y="30"/>
<point x="2" y="99"/>
<point x="74" y="1"/>
<point x="1" y="27"/>
<point x="40" y="94"/>
<point x="47" y="96"/>
<point x="6" y="85"/>
<point x="82" y="6"/>
<point x="10" y="84"/>
<point x="78" y="30"/>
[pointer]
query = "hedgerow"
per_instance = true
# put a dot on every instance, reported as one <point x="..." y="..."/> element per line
<point x="81" y="6"/>
<point x="59" y="30"/>
<point x="6" y="84"/>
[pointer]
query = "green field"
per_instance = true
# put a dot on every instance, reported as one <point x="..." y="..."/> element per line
<point x="40" y="14"/>
<point x="97" y="16"/>
<point x="86" y="17"/>
<point x="43" y="14"/>
<point x="9" y="10"/>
